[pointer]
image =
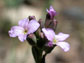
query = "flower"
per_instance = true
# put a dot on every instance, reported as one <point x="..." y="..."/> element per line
<point x="57" y="39"/>
<point x="24" y="28"/>
<point x="51" y="12"/>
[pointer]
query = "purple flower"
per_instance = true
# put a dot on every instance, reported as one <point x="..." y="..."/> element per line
<point x="51" y="12"/>
<point x="56" y="39"/>
<point x="24" y="28"/>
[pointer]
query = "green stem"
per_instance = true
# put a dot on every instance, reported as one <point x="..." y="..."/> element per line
<point x="43" y="59"/>
<point x="37" y="54"/>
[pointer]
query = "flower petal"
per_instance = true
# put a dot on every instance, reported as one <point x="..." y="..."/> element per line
<point x="11" y="33"/>
<point x="61" y="36"/>
<point x="24" y="23"/>
<point x="64" y="45"/>
<point x="33" y="26"/>
<point x="52" y="9"/>
<point x="49" y="33"/>
<point x="15" y="31"/>
<point x="22" y="37"/>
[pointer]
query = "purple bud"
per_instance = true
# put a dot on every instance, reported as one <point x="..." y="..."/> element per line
<point x="41" y="23"/>
<point x="50" y="44"/>
<point x="51" y="12"/>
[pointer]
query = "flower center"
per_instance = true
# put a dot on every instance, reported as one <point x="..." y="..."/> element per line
<point x="25" y="31"/>
<point x="54" y="40"/>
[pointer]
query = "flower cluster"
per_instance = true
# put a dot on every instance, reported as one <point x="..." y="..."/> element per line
<point x="41" y="36"/>
<point x="24" y="28"/>
<point x="57" y="39"/>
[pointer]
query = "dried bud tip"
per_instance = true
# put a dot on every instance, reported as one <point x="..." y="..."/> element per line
<point x="31" y="17"/>
<point x="42" y="35"/>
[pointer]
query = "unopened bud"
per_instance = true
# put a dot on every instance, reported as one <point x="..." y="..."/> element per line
<point x="51" y="13"/>
<point x="41" y="23"/>
<point x="31" y="38"/>
<point x="31" y="17"/>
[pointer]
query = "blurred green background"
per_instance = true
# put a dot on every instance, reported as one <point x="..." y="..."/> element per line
<point x="70" y="17"/>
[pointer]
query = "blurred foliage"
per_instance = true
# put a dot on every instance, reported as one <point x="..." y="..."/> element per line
<point x="13" y="3"/>
<point x="5" y="26"/>
<point x="16" y="3"/>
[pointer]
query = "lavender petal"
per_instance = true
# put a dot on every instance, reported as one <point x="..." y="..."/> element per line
<point x="64" y="45"/>
<point x="33" y="26"/>
<point x="49" y="33"/>
<point x="62" y="36"/>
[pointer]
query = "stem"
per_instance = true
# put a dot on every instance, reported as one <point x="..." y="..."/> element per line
<point x="43" y="59"/>
<point x="37" y="54"/>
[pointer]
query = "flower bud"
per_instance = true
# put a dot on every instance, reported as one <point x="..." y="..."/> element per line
<point x="41" y="23"/>
<point x="51" y="24"/>
<point x="51" y="13"/>
<point x="31" y="17"/>
<point x="31" y="39"/>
